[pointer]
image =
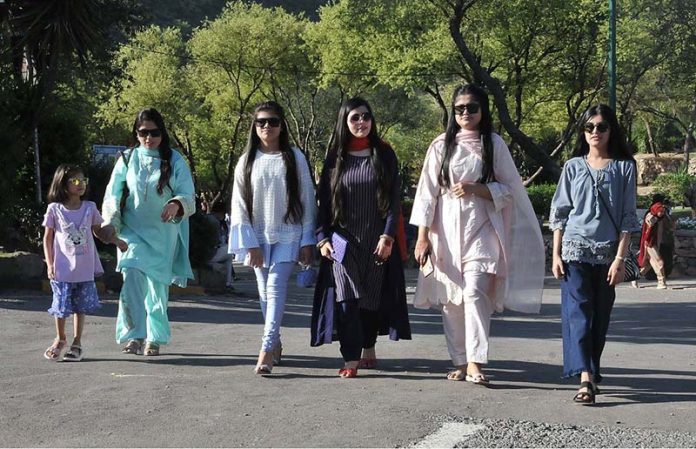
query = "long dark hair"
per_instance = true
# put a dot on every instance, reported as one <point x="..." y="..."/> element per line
<point x="58" y="192"/>
<point x="617" y="147"/>
<point x="338" y="150"/>
<point x="485" y="128"/>
<point x="295" y="210"/>
<point x="165" y="149"/>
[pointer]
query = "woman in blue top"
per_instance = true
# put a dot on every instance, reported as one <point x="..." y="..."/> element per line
<point x="597" y="189"/>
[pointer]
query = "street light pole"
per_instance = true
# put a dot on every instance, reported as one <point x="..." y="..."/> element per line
<point x="612" y="54"/>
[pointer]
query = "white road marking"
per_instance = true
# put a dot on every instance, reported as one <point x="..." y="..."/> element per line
<point x="449" y="435"/>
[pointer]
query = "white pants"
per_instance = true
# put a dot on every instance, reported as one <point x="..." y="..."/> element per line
<point x="467" y="325"/>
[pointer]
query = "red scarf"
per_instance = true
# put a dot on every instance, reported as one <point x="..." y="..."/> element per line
<point x="648" y="234"/>
<point x="358" y="143"/>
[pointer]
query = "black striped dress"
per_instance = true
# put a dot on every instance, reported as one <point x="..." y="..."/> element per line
<point x="358" y="276"/>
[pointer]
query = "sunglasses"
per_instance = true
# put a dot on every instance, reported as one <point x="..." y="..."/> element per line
<point x="273" y="122"/>
<point x="601" y="127"/>
<point x="471" y="108"/>
<point x="144" y="132"/>
<point x="78" y="181"/>
<point x="365" y="116"/>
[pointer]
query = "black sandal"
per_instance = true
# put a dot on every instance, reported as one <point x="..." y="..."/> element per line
<point x="587" y="397"/>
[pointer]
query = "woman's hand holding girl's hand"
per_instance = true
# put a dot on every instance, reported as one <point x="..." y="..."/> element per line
<point x="121" y="244"/>
<point x="616" y="273"/>
<point x="255" y="257"/>
<point x="107" y="234"/>
<point x="422" y="250"/>
<point x="326" y="250"/>
<point x="171" y="210"/>
<point x="383" y="250"/>
<point x="557" y="267"/>
<point x="307" y="255"/>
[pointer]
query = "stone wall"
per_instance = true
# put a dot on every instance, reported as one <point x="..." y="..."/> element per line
<point x="650" y="166"/>
<point x="685" y="252"/>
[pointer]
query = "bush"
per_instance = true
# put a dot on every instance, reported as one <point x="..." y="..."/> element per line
<point x="677" y="187"/>
<point x="541" y="195"/>
<point x="643" y="201"/>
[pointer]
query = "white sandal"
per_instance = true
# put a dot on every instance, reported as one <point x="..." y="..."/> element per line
<point x="478" y="379"/>
<point x="56" y="349"/>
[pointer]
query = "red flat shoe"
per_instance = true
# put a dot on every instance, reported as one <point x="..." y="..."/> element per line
<point x="367" y="363"/>
<point x="345" y="373"/>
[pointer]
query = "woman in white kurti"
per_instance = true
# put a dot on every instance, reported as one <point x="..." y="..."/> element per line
<point x="477" y="226"/>
<point x="272" y="219"/>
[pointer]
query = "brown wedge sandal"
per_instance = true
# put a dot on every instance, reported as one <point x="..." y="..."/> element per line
<point x="134" y="347"/>
<point x="151" y="349"/>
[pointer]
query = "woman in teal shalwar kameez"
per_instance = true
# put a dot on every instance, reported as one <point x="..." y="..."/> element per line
<point x="154" y="223"/>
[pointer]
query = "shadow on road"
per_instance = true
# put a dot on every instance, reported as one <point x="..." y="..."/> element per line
<point x="649" y="323"/>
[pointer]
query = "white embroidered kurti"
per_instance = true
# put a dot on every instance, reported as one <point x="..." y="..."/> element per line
<point x="279" y="241"/>
<point x="500" y="237"/>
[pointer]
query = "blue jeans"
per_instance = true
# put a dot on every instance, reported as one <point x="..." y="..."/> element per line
<point x="272" y="283"/>
<point x="586" y="303"/>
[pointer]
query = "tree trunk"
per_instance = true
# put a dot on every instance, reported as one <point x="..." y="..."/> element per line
<point x="525" y="142"/>
<point x="689" y="138"/>
<point x="37" y="162"/>
<point x="651" y="143"/>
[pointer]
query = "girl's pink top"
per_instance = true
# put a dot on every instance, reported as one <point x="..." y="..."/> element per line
<point x="74" y="253"/>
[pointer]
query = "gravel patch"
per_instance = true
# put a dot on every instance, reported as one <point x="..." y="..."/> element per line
<point x="523" y="434"/>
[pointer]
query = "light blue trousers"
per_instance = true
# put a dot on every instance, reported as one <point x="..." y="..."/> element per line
<point x="272" y="283"/>
<point x="142" y="309"/>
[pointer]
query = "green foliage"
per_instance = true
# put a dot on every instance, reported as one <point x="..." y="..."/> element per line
<point x="675" y="186"/>
<point x="643" y="201"/>
<point x="541" y="195"/>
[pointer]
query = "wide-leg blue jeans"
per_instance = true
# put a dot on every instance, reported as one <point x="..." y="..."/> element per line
<point x="586" y="303"/>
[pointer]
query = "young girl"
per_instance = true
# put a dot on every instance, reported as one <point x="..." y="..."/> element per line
<point x="272" y="218"/>
<point x="71" y="257"/>
<point x="477" y="227"/>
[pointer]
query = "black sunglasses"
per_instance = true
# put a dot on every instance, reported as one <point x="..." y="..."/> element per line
<point x="471" y="108"/>
<point x="365" y="116"/>
<point x="601" y="127"/>
<point x="273" y="122"/>
<point x="144" y="132"/>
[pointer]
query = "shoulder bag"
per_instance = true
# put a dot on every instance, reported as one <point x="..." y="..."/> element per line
<point x="632" y="271"/>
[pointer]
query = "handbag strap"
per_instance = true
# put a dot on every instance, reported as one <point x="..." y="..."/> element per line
<point x="125" y="155"/>
<point x="601" y="199"/>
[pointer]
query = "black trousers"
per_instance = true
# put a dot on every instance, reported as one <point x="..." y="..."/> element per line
<point x="357" y="329"/>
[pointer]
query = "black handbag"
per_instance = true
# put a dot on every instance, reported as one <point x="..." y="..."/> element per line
<point x="631" y="268"/>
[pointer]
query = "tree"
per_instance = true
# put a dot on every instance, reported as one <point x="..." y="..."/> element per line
<point x="233" y="59"/>
<point x="48" y="34"/>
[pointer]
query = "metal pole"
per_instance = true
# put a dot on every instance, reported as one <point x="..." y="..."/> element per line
<point x="612" y="54"/>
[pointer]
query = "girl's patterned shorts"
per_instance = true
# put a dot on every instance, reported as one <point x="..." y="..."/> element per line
<point x="73" y="297"/>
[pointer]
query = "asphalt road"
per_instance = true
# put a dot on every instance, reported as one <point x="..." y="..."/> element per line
<point x="202" y="391"/>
